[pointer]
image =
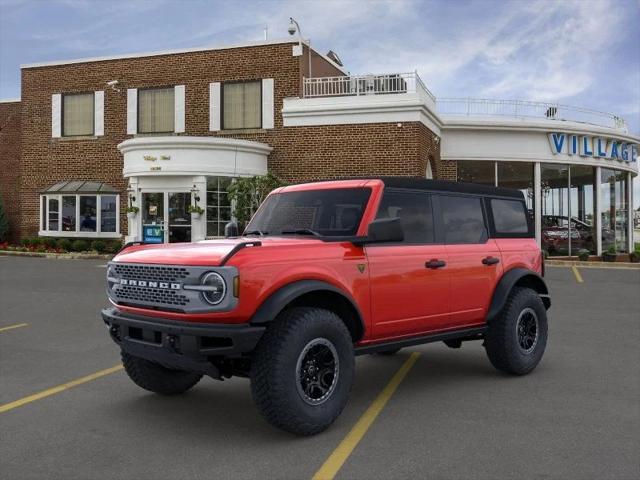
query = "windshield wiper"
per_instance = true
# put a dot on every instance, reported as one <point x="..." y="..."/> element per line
<point x="255" y="232"/>
<point x="301" y="231"/>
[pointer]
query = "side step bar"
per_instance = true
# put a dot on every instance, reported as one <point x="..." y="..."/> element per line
<point x="475" y="333"/>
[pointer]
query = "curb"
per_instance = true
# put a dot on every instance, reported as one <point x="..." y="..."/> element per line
<point x="58" y="256"/>
<point x="603" y="265"/>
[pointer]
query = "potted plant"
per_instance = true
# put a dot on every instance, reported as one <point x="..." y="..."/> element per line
<point x="583" y="255"/>
<point x="196" y="211"/>
<point x="610" y="255"/>
<point x="132" y="211"/>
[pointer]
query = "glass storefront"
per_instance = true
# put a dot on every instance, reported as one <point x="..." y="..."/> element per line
<point x="614" y="210"/>
<point x="569" y="196"/>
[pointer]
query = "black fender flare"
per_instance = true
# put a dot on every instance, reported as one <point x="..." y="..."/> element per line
<point x="282" y="297"/>
<point x="517" y="277"/>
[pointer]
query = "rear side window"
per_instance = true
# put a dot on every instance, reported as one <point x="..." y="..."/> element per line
<point x="462" y="219"/>
<point x="414" y="211"/>
<point x="509" y="216"/>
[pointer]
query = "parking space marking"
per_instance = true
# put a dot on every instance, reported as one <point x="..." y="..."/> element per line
<point x="60" y="388"/>
<point x="11" y="327"/>
<point x="577" y="274"/>
<point x="334" y="463"/>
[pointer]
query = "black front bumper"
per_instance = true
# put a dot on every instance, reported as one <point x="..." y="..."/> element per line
<point x="180" y="345"/>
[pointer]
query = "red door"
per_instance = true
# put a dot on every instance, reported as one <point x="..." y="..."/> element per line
<point x="407" y="297"/>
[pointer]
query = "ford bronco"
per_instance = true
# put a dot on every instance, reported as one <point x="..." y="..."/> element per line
<point x="326" y="271"/>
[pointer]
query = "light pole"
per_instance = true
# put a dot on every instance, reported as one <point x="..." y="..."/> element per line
<point x="293" y="28"/>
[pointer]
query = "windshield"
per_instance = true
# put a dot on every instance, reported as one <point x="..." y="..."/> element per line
<point x="332" y="212"/>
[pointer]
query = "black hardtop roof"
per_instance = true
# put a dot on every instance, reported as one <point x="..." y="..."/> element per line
<point x="419" y="183"/>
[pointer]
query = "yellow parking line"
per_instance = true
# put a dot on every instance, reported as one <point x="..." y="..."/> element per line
<point x="334" y="463"/>
<point x="577" y="274"/>
<point x="60" y="388"/>
<point x="11" y="327"/>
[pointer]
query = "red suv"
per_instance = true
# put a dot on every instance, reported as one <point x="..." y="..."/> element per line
<point x="326" y="271"/>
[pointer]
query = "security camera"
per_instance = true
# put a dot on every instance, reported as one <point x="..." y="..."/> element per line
<point x="112" y="83"/>
<point x="292" y="28"/>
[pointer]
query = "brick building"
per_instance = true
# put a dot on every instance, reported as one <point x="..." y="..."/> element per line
<point x="162" y="131"/>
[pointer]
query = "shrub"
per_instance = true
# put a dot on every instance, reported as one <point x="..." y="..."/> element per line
<point x="99" y="246"/>
<point x="114" y="246"/>
<point x="583" y="254"/>
<point x="49" y="242"/>
<point x="65" y="244"/>
<point x="36" y="241"/>
<point x="26" y="242"/>
<point x="80" y="245"/>
<point x="4" y="223"/>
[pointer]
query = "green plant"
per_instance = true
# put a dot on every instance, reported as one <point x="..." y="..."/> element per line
<point x="35" y="241"/>
<point x="132" y="209"/>
<point x="26" y="242"/>
<point x="634" y="256"/>
<point x="195" y="209"/>
<point x="47" y="242"/>
<point x="583" y="254"/>
<point x="99" y="246"/>
<point x="80" y="245"/>
<point x="64" y="244"/>
<point x="611" y="249"/>
<point x="4" y="223"/>
<point x="114" y="246"/>
<point x="247" y="194"/>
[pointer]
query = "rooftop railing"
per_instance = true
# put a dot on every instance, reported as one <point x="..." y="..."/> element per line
<point x="477" y="107"/>
<point x="356" y="85"/>
<point x="398" y="83"/>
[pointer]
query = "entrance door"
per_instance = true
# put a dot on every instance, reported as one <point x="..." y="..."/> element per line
<point x="153" y="217"/>
<point x="179" y="217"/>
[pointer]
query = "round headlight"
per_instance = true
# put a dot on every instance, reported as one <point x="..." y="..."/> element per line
<point x="215" y="288"/>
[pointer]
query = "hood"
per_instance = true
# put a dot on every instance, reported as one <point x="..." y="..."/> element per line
<point x="205" y="253"/>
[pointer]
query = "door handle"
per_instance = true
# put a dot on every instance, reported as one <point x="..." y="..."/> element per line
<point x="435" y="264"/>
<point x="490" y="260"/>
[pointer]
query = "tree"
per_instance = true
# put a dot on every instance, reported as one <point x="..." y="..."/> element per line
<point x="247" y="193"/>
<point x="4" y="223"/>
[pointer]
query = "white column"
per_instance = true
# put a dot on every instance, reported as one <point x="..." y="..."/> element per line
<point x="630" y="211"/>
<point x="598" y="212"/>
<point x="134" y="229"/>
<point x="537" y="200"/>
<point x="199" y="226"/>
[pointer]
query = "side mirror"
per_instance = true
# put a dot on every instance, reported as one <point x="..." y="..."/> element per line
<point x="231" y="230"/>
<point x="384" y="230"/>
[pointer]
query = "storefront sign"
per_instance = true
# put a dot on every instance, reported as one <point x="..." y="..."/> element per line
<point x="152" y="234"/>
<point x="588" y="146"/>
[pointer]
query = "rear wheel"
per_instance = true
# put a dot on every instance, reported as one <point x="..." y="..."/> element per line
<point x="517" y="337"/>
<point x="156" y="378"/>
<point x="302" y="370"/>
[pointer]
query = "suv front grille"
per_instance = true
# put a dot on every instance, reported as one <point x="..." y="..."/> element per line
<point x="151" y="272"/>
<point x="132" y="294"/>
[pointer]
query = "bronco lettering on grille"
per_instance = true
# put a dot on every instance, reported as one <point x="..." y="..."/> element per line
<point x="150" y="284"/>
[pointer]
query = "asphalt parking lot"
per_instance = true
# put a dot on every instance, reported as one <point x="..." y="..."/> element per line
<point x="453" y="416"/>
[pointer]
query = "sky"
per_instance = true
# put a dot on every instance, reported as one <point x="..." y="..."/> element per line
<point x="576" y="52"/>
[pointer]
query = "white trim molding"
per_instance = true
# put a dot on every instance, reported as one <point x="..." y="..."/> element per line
<point x="267" y="103"/>
<point x="215" y="110"/>
<point x="132" y="111"/>
<point x="184" y="155"/>
<point x="98" y="112"/>
<point x="56" y="115"/>
<point x="179" y="102"/>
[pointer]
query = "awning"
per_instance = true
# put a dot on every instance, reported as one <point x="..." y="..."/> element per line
<point x="80" y="186"/>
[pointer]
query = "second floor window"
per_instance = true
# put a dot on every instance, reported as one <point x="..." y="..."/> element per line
<point x="77" y="114"/>
<point x="242" y="105"/>
<point x="156" y="110"/>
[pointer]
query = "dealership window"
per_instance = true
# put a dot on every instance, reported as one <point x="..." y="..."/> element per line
<point x="218" y="205"/>
<point x="582" y="208"/>
<point x="242" y="105"/>
<point x="614" y="210"/>
<point x="156" y="110"/>
<point x="480" y="171"/>
<point x="80" y="209"/>
<point x="78" y="114"/>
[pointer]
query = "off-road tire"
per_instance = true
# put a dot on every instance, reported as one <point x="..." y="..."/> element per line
<point x="274" y="374"/>
<point x="156" y="378"/>
<point x="502" y="341"/>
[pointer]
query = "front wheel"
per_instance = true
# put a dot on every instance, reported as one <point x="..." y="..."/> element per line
<point x="302" y="370"/>
<point x="516" y="339"/>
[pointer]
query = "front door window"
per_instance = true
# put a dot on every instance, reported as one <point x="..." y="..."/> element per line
<point x="179" y="217"/>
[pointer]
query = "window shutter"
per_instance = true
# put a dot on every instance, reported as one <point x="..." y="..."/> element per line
<point x="132" y="111"/>
<point x="56" y="115"/>
<point x="267" y="103"/>
<point x="179" y="108"/>
<point x="98" y="111"/>
<point x="214" y="106"/>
